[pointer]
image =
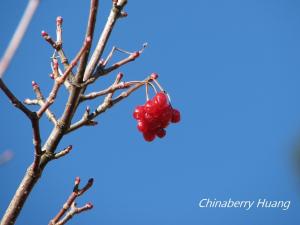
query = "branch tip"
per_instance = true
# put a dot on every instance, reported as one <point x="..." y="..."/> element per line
<point x="44" y="34"/>
<point x="77" y="181"/>
<point x="59" y="20"/>
<point x="123" y="14"/>
<point x="89" y="205"/>
<point x="34" y="84"/>
<point x="154" y="76"/>
<point x="120" y="76"/>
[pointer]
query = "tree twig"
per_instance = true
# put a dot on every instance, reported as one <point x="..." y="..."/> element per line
<point x="63" y="152"/>
<point x="70" y="203"/>
<point x="89" y="33"/>
<point x="112" y="18"/>
<point x="106" y="104"/>
<point x="60" y="80"/>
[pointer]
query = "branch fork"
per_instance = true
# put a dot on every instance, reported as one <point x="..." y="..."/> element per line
<point x="69" y="209"/>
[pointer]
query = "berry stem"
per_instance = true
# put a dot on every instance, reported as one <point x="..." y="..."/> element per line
<point x="158" y="85"/>
<point x="147" y="95"/>
<point x="154" y="88"/>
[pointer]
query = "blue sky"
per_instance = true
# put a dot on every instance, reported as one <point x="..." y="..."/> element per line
<point x="231" y="67"/>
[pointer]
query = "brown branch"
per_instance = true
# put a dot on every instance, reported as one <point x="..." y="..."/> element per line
<point x="63" y="152"/>
<point x="112" y="18"/>
<point x="40" y="100"/>
<point x="76" y="90"/>
<point x="33" y="172"/>
<point x="70" y="201"/>
<point x="111" y="89"/>
<point x="14" y="100"/>
<point x="49" y="39"/>
<point x="18" y="35"/>
<point x="73" y="211"/>
<point x="107" y="103"/>
<point x="36" y="143"/>
<point x="59" y="21"/>
<point x="89" y="33"/>
<point x="101" y="70"/>
<point x="60" y="80"/>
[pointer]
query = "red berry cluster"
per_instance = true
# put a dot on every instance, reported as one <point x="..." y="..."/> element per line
<point x="154" y="116"/>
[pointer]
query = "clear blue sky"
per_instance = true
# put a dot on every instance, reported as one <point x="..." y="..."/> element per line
<point x="232" y="68"/>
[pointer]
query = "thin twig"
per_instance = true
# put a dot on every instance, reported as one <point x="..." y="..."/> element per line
<point x="106" y="104"/>
<point x="89" y="33"/>
<point x="40" y="100"/>
<point x="101" y="71"/>
<point x="112" y="18"/>
<point x="111" y="89"/>
<point x="32" y="116"/>
<point x="63" y="152"/>
<point x="14" y="99"/>
<point x="18" y="35"/>
<point x="73" y="211"/>
<point x="60" y="80"/>
<point x="70" y="202"/>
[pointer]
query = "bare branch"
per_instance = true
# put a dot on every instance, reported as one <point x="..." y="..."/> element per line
<point x="49" y="39"/>
<point x="33" y="172"/>
<point x="14" y="100"/>
<point x="18" y="35"/>
<point x="89" y="33"/>
<point x="73" y="211"/>
<point x="60" y="80"/>
<point x="63" y="152"/>
<point x="36" y="143"/>
<point x="41" y="102"/>
<point x="111" y="89"/>
<point x="101" y="70"/>
<point x="71" y="203"/>
<point x="108" y="103"/>
<point x="112" y="18"/>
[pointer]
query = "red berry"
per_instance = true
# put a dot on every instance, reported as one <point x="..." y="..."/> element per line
<point x="149" y="106"/>
<point x="161" y="133"/>
<point x="143" y="126"/>
<point x="149" y="136"/>
<point x="139" y="112"/>
<point x="148" y="117"/>
<point x="166" y="114"/>
<point x="175" y="116"/>
<point x="154" y="124"/>
<point x="161" y="100"/>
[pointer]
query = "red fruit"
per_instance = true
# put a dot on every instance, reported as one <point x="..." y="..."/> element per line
<point x="154" y="124"/>
<point x="148" y="117"/>
<point x="139" y="112"/>
<point x="149" y="136"/>
<point x="165" y="124"/>
<point x="149" y="106"/>
<point x="143" y="126"/>
<point x="175" y="116"/>
<point x="161" y="100"/>
<point x="166" y="114"/>
<point x="161" y="133"/>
